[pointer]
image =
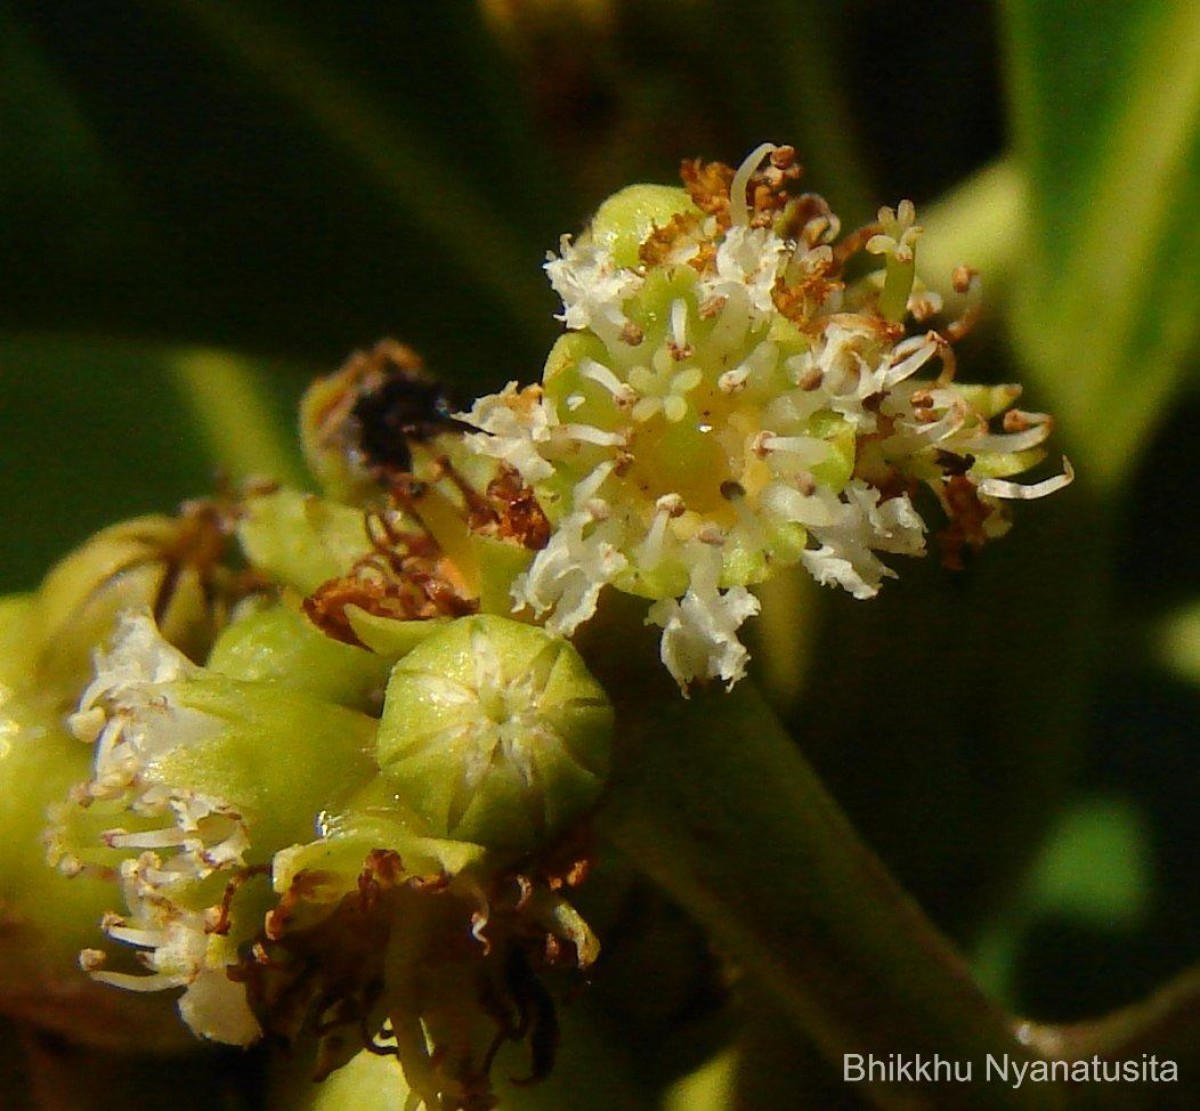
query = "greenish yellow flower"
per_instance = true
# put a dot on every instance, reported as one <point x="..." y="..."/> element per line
<point x="726" y="402"/>
<point x="170" y="565"/>
<point x="197" y="780"/>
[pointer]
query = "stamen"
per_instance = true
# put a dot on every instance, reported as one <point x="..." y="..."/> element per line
<point x="142" y="938"/>
<point x="1007" y="441"/>
<point x="913" y="362"/>
<point x="652" y="548"/>
<point x="679" y="321"/>
<point x="156" y="981"/>
<point x="1017" y="420"/>
<point x="149" y="839"/>
<point x="585" y="491"/>
<point x="623" y="393"/>
<point x="931" y="432"/>
<point x="1014" y="491"/>
<point x="807" y="450"/>
<point x="590" y="435"/>
<point x="739" y="211"/>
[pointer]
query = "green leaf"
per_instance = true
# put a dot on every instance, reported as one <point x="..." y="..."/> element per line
<point x="1106" y="114"/>
<point x="1095" y="866"/>
<point x="1178" y="642"/>
<point x="435" y="195"/>
<point x="1095" y="870"/>
<point x="978" y="224"/>
<point x="240" y="422"/>
<point x="94" y="431"/>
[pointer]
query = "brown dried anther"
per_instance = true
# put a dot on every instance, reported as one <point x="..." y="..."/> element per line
<point x="967" y="513"/>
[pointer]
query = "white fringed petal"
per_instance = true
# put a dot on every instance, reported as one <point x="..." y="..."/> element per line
<point x="699" y="639"/>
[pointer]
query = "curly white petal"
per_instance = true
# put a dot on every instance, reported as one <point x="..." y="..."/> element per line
<point x="592" y="286"/>
<point x="699" y="639"/>
<point x="568" y="574"/>
<point x="866" y="524"/>
<point x="516" y="425"/>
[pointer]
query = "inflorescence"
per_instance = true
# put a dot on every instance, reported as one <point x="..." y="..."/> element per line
<point x="344" y="754"/>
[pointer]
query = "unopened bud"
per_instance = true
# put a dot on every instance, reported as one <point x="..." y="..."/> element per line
<point x="495" y="732"/>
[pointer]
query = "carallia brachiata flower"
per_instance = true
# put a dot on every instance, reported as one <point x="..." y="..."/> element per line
<point x="728" y="400"/>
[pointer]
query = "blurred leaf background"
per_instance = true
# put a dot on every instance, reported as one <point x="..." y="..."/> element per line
<point x="205" y="202"/>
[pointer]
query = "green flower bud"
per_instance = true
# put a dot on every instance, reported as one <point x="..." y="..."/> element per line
<point x="278" y="645"/>
<point x="18" y="627"/>
<point x="301" y="540"/>
<point x="438" y="549"/>
<point x="628" y="218"/>
<point x="495" y="732"/>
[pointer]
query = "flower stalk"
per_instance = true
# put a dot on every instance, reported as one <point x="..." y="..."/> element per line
<point x="793" y="894"/>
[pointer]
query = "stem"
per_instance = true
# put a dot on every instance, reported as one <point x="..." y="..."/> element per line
<point x="1167" y="1025"/>
<point x="713" y="801"/>
<point x="778" y="1067"/>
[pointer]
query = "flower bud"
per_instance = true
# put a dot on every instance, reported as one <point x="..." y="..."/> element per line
<point x="300" y="540"/>
<point x="277" y="645"/>
<point x="495" y="732"/>
<point x="628" y="218"/>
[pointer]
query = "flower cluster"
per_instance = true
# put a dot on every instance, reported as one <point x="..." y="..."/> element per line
<point x="298" y="865"/>
<point x="342" y="751"/>
<point x="727" y="401"/>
